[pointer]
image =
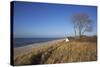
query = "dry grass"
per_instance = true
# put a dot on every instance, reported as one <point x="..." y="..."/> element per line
<point x="62" y="52"/>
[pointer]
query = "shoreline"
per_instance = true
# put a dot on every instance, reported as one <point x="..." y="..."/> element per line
<point x="57" y="51"/>
<point x="40" y="43"/>
<point x="27" y="48"/>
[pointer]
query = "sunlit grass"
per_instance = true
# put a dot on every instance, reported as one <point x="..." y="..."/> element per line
<point x="62" y="52"/>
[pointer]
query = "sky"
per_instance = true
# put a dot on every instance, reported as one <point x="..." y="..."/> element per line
<point x="33" y="19"/>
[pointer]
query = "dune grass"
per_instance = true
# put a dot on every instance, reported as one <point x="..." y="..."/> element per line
<point x="78" y="50"/>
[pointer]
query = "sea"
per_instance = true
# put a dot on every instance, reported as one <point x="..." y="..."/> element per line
<point x="19" y="42"/>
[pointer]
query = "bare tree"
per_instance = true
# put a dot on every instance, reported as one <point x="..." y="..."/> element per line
<point x="81" y="23"/>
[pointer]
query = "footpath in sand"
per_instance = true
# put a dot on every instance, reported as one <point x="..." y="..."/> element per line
<point x="57" y="51"/>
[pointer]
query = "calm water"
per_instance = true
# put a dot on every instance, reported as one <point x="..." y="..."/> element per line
<point x="18" y="42"/>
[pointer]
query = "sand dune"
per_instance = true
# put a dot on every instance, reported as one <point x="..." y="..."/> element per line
<point x="57" y="51"/>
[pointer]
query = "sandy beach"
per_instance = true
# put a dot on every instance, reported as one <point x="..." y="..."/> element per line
<point x="27" y="48"/>
<point x="57" y="51"/>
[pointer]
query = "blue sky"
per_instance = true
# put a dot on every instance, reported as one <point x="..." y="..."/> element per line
<point x="48" y="20"/>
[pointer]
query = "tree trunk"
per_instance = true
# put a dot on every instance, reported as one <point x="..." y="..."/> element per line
<point x="79" y="32"/>
<point x="74" y="30"/>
